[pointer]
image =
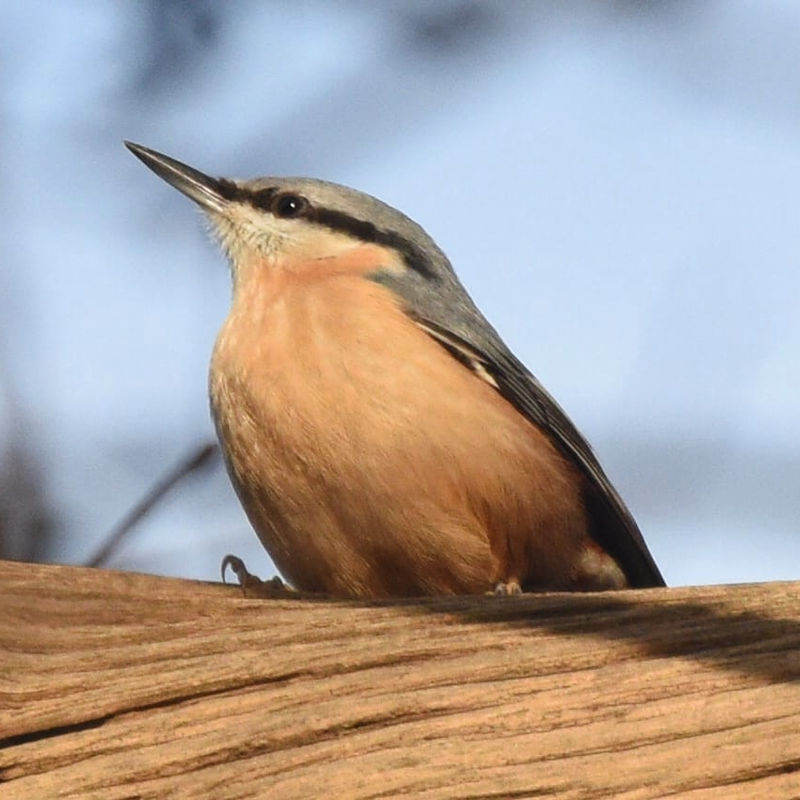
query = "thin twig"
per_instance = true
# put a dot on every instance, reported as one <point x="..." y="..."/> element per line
<point x="197" y="459"/>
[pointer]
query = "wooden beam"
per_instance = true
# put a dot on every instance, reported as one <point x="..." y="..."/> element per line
<point x="117" y="685"/>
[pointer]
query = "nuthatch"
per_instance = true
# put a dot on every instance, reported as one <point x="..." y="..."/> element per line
<point x="381" y="437"/>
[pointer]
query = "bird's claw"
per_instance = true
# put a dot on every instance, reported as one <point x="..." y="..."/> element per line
<point x="252" y="585"/>
<point x="507" y="588"/>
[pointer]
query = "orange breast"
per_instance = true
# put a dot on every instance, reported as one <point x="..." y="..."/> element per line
<point x="372" y="463"/>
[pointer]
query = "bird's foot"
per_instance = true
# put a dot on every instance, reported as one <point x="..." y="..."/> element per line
<point x="252" y="585"/>
<point x="506" y="589"/>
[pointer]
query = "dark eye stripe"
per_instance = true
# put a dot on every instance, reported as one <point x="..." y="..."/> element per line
<point x="334" y="220"/>
<point x="230" y="191"/>
<point x="263" y="198"/>
<point x="412" y="256"/>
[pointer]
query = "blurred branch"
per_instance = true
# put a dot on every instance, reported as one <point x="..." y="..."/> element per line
<point x="198" y="459"/>
<point x="26" y="521"/>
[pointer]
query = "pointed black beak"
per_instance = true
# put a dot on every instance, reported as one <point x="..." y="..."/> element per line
<point x="206" y="191"/>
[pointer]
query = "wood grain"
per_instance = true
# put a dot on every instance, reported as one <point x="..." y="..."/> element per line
<point x="116" y="685"/>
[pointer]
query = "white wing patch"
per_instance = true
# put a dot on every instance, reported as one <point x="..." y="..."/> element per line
<point x="468" y="357"/>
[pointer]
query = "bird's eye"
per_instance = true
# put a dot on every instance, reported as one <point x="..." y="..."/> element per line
<point x="289" y="205"/>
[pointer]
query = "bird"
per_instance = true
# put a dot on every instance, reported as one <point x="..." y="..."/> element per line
<point x="381" y="437"/>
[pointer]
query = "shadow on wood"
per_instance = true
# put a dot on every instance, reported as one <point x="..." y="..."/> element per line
<point x="117" y="685"/>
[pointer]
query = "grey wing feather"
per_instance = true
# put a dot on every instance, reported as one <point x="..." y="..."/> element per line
<point x="615" y="528"/>
<point x="453" y="320"/>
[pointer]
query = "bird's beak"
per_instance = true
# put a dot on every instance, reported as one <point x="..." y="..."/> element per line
<point x="204" y="190"/>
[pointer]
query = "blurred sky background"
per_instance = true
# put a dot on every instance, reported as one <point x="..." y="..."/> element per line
<point x="617" y="184"/>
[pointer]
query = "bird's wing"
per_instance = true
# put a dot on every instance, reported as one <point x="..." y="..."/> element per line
<point x="478" y="346"/>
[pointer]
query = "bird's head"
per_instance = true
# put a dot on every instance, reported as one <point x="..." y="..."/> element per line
<point x="302" y="223"/>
